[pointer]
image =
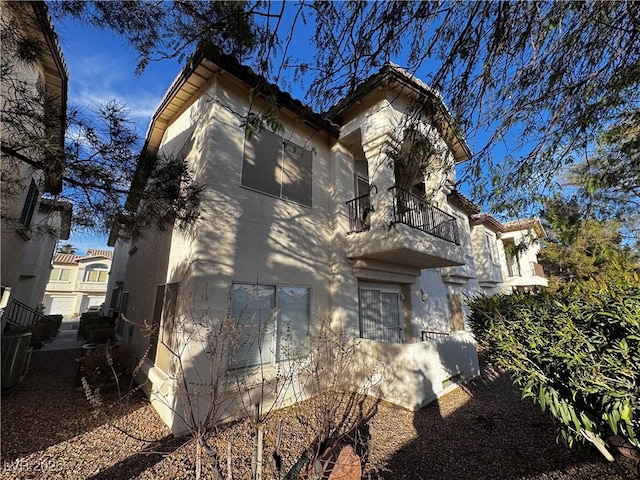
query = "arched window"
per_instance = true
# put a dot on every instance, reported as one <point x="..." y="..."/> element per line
<point x="96" y="273"/>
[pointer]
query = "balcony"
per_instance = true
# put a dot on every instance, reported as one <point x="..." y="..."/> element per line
<point x="399" y="227"/>
<point x="411" y="210"/>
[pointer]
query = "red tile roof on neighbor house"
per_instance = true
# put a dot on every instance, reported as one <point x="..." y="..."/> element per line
<point x="526" y="224"/>
<point x="71" y="259"/>
<point x="92" y="252"/>
<point x="66" y="258"/>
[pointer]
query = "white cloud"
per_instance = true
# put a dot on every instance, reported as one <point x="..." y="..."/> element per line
<point x="99" y="78"/>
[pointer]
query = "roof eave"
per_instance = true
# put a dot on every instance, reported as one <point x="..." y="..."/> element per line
<point x="389" y="74"/>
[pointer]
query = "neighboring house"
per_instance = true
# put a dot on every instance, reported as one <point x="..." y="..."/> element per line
<point x="487" y="251"/>
<point x="34" y="96"/>
<point x="77" y="282"/>
<point x="520" y="267"/>
<point x="310" y="221"/>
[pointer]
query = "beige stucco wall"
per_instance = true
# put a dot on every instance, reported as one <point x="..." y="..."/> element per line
<point x="241" y="236"/>
<point x="416" y="374"/>
<point x="83" y="293"/>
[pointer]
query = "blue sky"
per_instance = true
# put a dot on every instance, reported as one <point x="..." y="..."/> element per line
<point x="101" y="67"/>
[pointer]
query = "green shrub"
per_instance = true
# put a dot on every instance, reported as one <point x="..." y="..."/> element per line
<point x="91" y="321"/>
<point x="576" y="354"/>
<point x="101" y="335"/>
<point x="42" y="330"/>
<point x="57" y="321"/>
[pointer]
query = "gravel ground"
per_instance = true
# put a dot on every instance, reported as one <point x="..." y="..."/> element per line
<point x="480" y="431"/>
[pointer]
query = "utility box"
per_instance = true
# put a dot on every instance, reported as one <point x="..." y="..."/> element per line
<point x="15" y="355"/>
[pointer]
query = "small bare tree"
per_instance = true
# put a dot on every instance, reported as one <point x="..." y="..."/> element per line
<point x="212" y="385"/>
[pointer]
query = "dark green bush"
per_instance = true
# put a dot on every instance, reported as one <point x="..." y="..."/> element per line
<point x="42" y="330"/>
<point x="91" y="321"/>
<point x="101" y="335"/>
<point x="57" y="321"/>
<point x="576" y="353"/>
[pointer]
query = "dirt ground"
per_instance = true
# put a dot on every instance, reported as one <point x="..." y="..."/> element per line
<point x="481" y="431"/>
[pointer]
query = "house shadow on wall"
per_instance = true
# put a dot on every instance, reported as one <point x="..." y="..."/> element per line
<point x="484" y="430"/>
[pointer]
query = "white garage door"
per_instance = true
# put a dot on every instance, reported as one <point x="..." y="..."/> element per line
<point x="90" y="302"/>
<point x="62" y="306"/>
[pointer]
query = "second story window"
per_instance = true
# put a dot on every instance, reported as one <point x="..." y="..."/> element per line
<point x="277" y="167"/>
<point x="491" y="247"/>
<point x="96" y="273"/>
<point x="59" y="274"/>
<point x="29" y="205"/>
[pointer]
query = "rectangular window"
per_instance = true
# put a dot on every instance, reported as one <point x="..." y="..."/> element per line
<point x="274" y="323"/>
<point x="491" y="247"/>
<point x="155" y="322"/>
<point x="123" y="311"/>
<point x="277" y="167"/>
<point x="380" y="315"/>
<point x="513" y="265"/>
<point x="96" y="276"/>
<point x="164" y="318"/>
<point x="60" y="274"/>
<point x="29" y="205"/>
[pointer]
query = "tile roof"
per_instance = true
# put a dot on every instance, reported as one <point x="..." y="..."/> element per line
<point x="71" y="259"/>
<point x="66" y="258"/>
<point x="488" y="221"/>
<point x="92" y="252"/>
<point x="526" y="224"/>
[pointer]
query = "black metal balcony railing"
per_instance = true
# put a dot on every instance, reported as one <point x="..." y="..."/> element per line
<point x="411" y="210"/>
<point x="359" y="213"/>
<point x="432" y="335"/>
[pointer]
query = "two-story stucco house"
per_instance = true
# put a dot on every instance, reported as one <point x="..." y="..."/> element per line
<point x="520" y="267"/>
<point x="314" y="221"/>
<point x="77" y="282"/>
<point x="34" y="96"/>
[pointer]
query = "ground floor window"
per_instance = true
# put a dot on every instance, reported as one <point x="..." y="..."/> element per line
<point x="380" y="314"/>
<point x="274" y="322"/>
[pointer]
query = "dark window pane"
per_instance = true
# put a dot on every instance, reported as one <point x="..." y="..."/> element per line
<point x="297" y="174"/>
<point x="29" y="205"/>
<point x="262" y="163"/>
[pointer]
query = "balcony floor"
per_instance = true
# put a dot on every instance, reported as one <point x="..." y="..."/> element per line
<point x="404" y="245"/>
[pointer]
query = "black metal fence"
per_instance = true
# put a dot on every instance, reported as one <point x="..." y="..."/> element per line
<point x="359" y="213"/>
<point x="432" y="335"/>
<point x="21" y="315"/>
<point x="413" y="211"/>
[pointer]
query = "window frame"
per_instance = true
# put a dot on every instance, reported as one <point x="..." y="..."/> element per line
<point x="273" y="338"/>
<point x="492" y="247"/>
<point x="386" y="331"/>
<point x="96" y="267"/>
<point x="280" y="162"/>
<point x="29" y="204"/>
<point x="60" y="271"/>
